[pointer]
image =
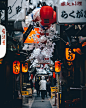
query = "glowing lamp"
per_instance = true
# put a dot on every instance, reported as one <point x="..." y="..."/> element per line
<point x="1" y="61"/>
<point x="69" y="55"/>
<point x="25" y="67"/>
<point x="54" y="75"/>
<point x="31" y="76"/>
<point x="16" y="67"/>
<point x="57" y="66"/>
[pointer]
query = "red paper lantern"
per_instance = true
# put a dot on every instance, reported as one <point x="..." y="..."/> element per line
<point x="46" y="15"/>
<point x="46" y="12"/>
<point x="16" y="67"/>
<point x="54" y="18"/>
<point x="54" y="75"/>
<point x="57" y="66"/>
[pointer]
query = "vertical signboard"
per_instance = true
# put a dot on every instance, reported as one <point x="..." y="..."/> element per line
<point x="2" y="41"/>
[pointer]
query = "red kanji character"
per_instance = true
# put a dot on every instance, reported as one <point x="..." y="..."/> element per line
<point x="3" y="42"/>
<point x="3" y="31"/>
<point x="68" y="3"/>
<point x="79" y="3"/>
<point x="3" y="37"/>
<point x="63" y="4"/>
<point x="73" y="4"/>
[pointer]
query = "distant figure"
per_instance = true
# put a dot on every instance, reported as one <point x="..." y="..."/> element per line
<point x="31" y="84"/>
<point x="42" y="84"/>
<point x="48" y="86"/>
<point x="37" y="87"/>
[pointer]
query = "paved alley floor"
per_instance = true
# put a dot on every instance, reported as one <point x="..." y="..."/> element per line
<point x="36" y="102"/>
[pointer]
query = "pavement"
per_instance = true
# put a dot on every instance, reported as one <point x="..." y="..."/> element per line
<point x="36" y="102"/>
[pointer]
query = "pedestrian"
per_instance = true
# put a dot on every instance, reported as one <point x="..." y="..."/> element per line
<point x="42" y="84"/>
<point x="37" y="86"/>
<point x="31" y="85"/>
<point x="48" y="86"/>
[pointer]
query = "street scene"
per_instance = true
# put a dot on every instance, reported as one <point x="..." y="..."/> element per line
<point x="43" y="53"/>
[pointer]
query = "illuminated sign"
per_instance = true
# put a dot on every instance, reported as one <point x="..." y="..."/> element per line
<point x="25" y="92"/>
<point x="16" y="67"/>
<point x="53" y="90"/>
<point x="25" y="67"/>
<point x="69" y="55"/>
<point x="32" y="37"/>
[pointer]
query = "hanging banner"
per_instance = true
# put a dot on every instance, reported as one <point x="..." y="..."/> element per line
<point x="16" y="67"/>
<point x="25" y="67"/>
<point x="69" y="55"/>
<point x="71" y="11"/>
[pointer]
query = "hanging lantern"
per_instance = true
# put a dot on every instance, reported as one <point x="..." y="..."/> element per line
<point x="16" y="67"/>
<point x="1" y="61"/>
<point x="69" y="55"/>
<point x="54" y="75"/>
<point x="31" y="76"/>
<point x="46" y="15"/>
<point x="57" y="66"/>
<point x="25" y="67"/>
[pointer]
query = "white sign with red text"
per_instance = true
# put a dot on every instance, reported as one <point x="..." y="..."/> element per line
<point x="2" y="41"/>
<point x="71" y="11"/>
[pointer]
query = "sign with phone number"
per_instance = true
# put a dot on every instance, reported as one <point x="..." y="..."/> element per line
<point x="71" y="12"/>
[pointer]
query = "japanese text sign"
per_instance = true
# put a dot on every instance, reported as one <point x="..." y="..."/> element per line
<point x="73" y="11"/>
<point x="25" y="67"/>
<point x="14" y="7"/>
<point x="2" y="41"/>
<point x="16" y="67"/>
<point x="69" y="55"/>
<point x="53" y="90"/>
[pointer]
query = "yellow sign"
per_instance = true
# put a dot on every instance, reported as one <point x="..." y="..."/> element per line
<point x="25" y="92"/>
<point x="29" y="91"/>
<point x="34" y="33"/>
<point x="69" y="55"/>
<point x="60" y="98"/>
<point x="53" y="90"/>
<point x="25" y="67"/>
